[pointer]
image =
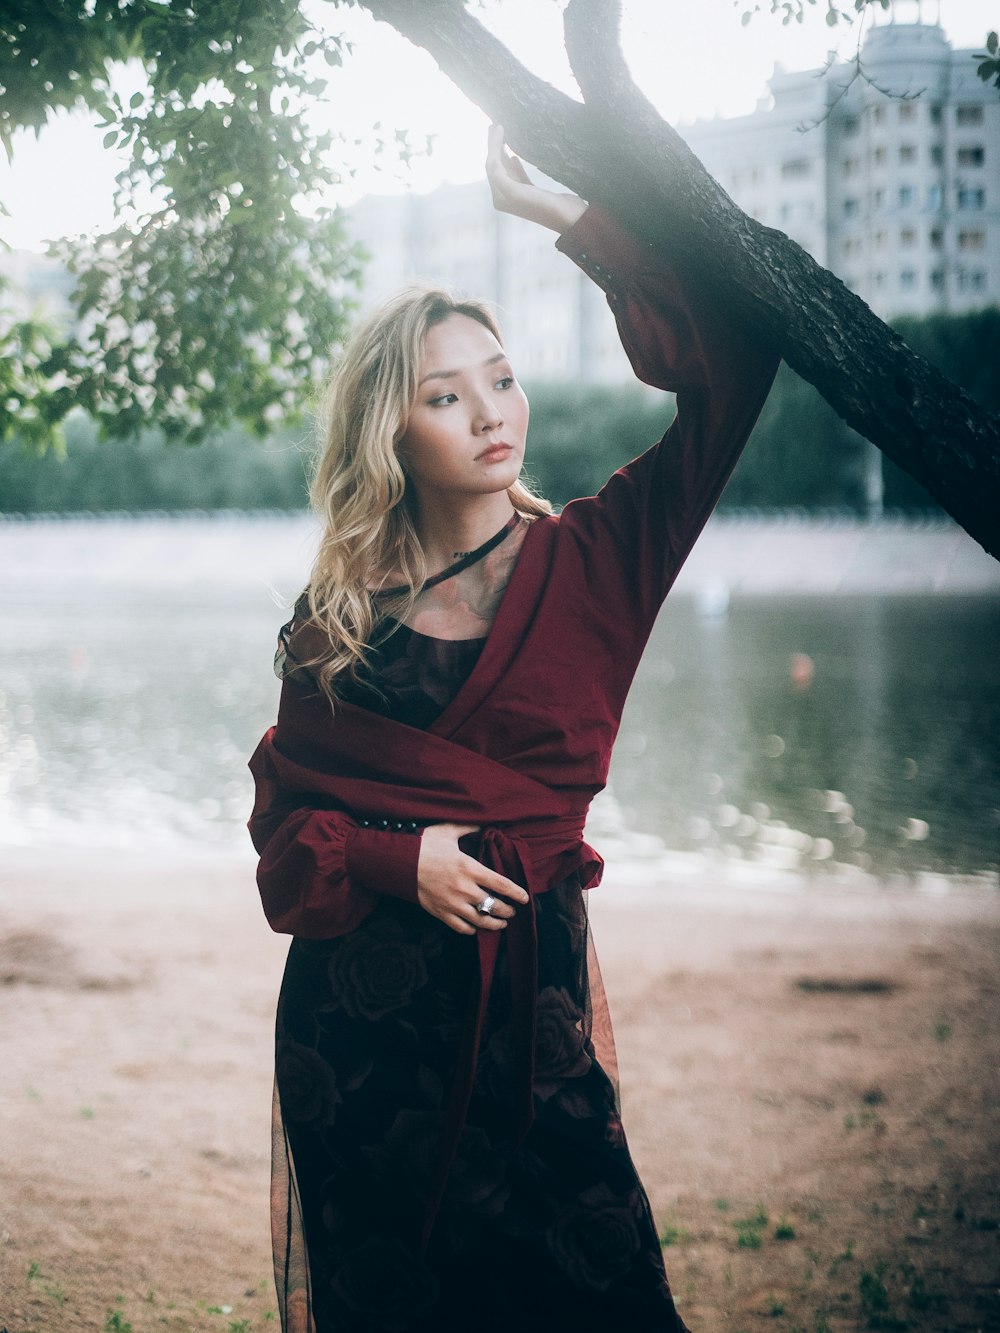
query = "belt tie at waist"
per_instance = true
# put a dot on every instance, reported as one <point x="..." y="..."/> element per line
<point x="510" y="856"/>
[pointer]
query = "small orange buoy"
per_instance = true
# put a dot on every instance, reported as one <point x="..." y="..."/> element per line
<point x="801" y="669"/>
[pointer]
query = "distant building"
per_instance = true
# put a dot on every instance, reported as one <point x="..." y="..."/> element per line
<point x="891" y="179"/>
<point x="556" y="323"/>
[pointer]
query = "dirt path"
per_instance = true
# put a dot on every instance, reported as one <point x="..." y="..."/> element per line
<point x="811" y="1093"/>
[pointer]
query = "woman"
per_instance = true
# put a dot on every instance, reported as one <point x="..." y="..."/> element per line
<point x="449" y="1153"/>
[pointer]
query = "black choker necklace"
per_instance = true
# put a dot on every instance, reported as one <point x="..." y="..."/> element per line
<point x="466" y="560"/>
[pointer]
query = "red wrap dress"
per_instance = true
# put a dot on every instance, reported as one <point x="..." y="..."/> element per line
<point x="449" y="1153"/>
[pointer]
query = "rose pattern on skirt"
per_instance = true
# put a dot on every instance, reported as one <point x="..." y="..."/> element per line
<point x="373" y="975"/>
<point x="597" y="1239"/>
<point x="309" y="1091"/>
<point x="560" y="1041"/>
<point x="381" y="1285"/>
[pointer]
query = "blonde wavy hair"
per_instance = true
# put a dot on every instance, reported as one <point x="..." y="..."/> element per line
<point x="359" y="489"/>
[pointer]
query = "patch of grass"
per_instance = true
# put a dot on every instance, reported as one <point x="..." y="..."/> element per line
<point x="942" y="1031"/>
<point x="784" y="1230"/>
<point x="34" y="1271"/>
<point x="87" y="1113"/>
<point x="674" y="1236"/>
<point x="116" y="1323"/>
<point x="750" y="1230"/>
<point x="722" y="1205"/>
<point x="776" y="1309"/>
<point x="845" y="1257"/>
<point x="239" y="1326"/>
<point x="55" y="1293"/>
<point x="875" y="1303"/>
<point x="867" y="1119"/>
<point x="924" y="1300"/>
<point x="822" y="1325"/>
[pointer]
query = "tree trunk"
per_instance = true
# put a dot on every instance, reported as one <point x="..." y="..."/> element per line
<point x="613" y="148"/>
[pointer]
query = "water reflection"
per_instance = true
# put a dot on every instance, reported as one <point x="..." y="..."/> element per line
<point x="877" y="754"/>
<point x="774" y="732"/>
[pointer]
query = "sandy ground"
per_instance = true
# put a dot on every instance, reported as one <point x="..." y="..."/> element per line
<point x="811" y="1092"/>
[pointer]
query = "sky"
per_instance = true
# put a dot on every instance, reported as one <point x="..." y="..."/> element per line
<point x="62" y="183"/>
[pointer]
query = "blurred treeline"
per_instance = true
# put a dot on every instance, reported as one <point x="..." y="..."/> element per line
<point x="800" y="456"/>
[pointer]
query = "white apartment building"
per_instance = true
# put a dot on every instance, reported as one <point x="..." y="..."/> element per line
<point x="891" y="178"/>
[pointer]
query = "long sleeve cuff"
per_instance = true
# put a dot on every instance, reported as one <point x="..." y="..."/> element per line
<point x="605" y="251"/>
<point x="383" y="862"/>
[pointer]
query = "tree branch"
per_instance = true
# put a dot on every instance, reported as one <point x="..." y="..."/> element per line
<point x="592" y="30"/>
<point x="616" y="150"/>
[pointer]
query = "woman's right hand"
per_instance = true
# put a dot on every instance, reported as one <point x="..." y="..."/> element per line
<point x="451" y="885"/>
<point x="513" y="191"/>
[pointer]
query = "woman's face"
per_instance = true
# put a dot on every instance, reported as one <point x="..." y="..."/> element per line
<point x="466" y="432"/>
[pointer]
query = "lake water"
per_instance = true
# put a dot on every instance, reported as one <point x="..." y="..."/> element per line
<point x="785" y="734"/>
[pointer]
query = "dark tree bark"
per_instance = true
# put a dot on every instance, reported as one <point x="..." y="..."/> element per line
<point x="613" y="148"/>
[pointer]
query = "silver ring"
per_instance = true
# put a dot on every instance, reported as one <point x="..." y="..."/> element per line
<point x="486" y="906"/>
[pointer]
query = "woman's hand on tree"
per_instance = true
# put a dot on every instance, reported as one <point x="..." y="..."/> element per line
<point x="514" y="193"/>
<point x="451" y="885"/>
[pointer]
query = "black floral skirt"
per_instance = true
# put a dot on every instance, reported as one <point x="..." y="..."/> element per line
<point x="551" y="1234"/>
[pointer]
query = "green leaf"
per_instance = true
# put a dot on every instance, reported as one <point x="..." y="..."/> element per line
<point x="135" y="100"/>
<point x="110" y="139"/>
<point x="993" y="43"/>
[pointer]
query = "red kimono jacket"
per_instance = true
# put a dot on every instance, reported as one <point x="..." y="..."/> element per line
<point x="525" y="744"/>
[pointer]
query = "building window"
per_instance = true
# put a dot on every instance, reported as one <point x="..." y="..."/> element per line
<point x="936" y="113"/>
<point x="879" y="239"/>
<point x="906" y="195"/>
<point x="969" y="197"/>
<point x="796" y="168"/>
<point x="907" y="112"/>
<point x="971" y="280"/>
<point x="851" y="208"/>
<point x="934" y="197"/>
<point x="937" y="238"/>
<point x="850" y="126"/>
<point x="907" y="238"/>
<point x="878" y="198"/>
<point x="937" y="154"/>
<point x="907" y="153"/>
<point x="908" y="279"/>
<point x="878" y="157"/>
<point x="971" y="240"/>
<point x="879" y="280"/>
<point x="878" y="114"/>
<point x="851" y="165"/>
<point x="969" y="115"/>
<point x="971" y="155"/>
<point x="937" y="279"/>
